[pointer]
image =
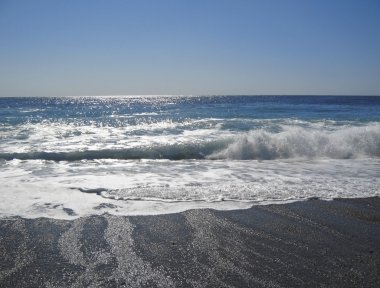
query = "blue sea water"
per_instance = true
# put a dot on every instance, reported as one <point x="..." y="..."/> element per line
<point x="148" y="154"/>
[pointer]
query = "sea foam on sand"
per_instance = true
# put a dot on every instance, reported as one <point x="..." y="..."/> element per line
<point x="66" y="190"/>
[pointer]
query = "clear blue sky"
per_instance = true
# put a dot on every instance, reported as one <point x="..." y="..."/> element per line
<point x="120" y="47"/>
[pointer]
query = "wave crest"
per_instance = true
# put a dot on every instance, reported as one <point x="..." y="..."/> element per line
<point x="170" y="152"/>
<point x="296" y="142"/>
<point x="291" y="142"/>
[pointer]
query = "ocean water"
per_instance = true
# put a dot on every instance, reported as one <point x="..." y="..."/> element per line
<point x="132" y="155"/>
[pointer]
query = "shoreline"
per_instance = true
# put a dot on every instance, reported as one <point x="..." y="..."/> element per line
<point x="312" y="243"/>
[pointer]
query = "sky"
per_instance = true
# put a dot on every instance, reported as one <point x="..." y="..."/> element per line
<point x="189" y="47"/>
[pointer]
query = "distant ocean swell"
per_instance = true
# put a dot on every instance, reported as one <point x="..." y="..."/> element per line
<point x="292" y="142"/>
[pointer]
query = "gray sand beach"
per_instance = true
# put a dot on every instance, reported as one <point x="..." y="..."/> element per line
<point x="313" y="243"/>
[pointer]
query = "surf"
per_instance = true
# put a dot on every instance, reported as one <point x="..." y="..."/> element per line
<point x="290" y="142"/>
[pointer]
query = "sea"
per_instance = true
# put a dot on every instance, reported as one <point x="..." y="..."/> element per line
<point x="67" y="157"/>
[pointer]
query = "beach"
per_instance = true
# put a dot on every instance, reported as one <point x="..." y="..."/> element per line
<point x="189" y="144"/>
<point x="313" y="243"/>
<point x="190" y="191"/>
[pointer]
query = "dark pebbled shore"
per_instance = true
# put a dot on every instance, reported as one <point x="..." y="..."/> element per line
<point x="313" y="243"/>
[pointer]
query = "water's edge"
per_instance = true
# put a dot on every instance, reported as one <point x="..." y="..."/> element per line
<point x="311" y="243"/>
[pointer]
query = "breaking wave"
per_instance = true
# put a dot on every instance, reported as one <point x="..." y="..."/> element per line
<point x="296" y="142"/>
<point x="291" y="142"/>
<point x="170" y="152"/>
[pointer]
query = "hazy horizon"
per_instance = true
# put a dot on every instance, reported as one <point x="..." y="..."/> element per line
<point x="198" y="95"/>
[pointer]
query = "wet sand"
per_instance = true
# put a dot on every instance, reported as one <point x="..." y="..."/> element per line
<point x="313" y="243"/>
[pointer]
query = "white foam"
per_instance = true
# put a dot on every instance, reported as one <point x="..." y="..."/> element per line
<point x="295" y="142"/>
<point x="77" y="136"/>
<point x="39" y="188"/>
<point x="277" y="139"/>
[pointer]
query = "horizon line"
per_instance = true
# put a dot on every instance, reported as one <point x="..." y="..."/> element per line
<point x="195" y="95"/>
